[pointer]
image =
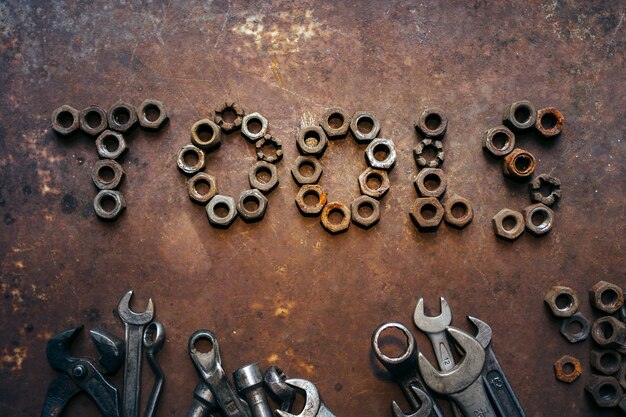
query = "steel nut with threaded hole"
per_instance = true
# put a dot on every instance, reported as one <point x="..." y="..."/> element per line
<point x="458" y="211"/>
<point x="539" y="219"/>
<point x="229" y="116"/>
<point x="254" y="126"/>
<point x="335" y="122"/>
<point x="610" y="333"/>
<point x="374" y="182"/>
<point x="519" y="165"/>
<point x="329" y="219"/>
<point x="221" y="211"/>
<point x="269" y="149"/>
<point x="65" y="120"/>
<point x="545" y="189"/>
<point x="605" y="390"/>
<point x="249" y="383"/>
<point x="381" y="154"/>
<point x="190" y="159"/>
<point x="107" y="174"/>
<point x="311" y="199"/>
<point x="508" y="224"/>
<point x="431" y="122"/>
<point x="621" y="375"/>
<point x="422" y="150"/>
<point x="93" y="120"/>
<point x="110" y="144"/>
<point x="205" y="134"/>
<point x="306" y="170"/>
<point x="252" y="205"/>
<point x="365" y="211"/>
<point x="109" y="204"/>
<point x="562" y="301"/>
<point x="364" y="126"/>
<point x="520" y="115"/>
<point x="576" y="328"/>
<point x="567" y="369"/>
<point x="607" y="362"/>
<point x="427" y="213"/>
<point x="152" y="114"/>
<point x="549" y="122"/>
<point x="202" y="187"/>
<point x="499" y="141"/>
<point x="431" y="182"/>
<point x="122" y="116"/>
<point x="606" y="296"/>
<point x="263" y="176"/>
<point x="312" y="140"/>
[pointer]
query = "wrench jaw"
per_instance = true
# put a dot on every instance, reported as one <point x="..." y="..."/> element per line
<point x="432" y="324"/>
<point x="424" y="410"/>
<point x="484" y="334"/>
<point x="312" y="400"/>
<point x="128" y="316"/>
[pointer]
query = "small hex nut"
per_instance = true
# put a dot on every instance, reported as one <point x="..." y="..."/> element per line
<point x="431" y="182"/>
<point x="369" y="129"/>
<point x="107" y="174"/>
<point x="311" y="209"/>
<point x="306" y="170"/>
<point x="122" y="116"/>
<point x="539" y="219"/>
<point x="187" y="152"/>
<point x="371" y="175"/>
<point x="254" y="197"/>
<point x="499" y="141"/>
<point x="519" y="165"/>
<point x="610" y="333"/>
<point x="562" y="301"/>
<point x="605" y="390"/>
<point x="335" y="122"/>
<point x="104" y="213"/>
<point x="225" y="203"/>
<point x="549" y="121"/>
<point x="65" y="120"/>
<point x="382" y="146"/>
<point x="256" y="118"/>
<point x="335" y="207"/>
<point x="576" y="328"/>
<point x="229" y="107"/>
<point x="205" y="134"/>
<point x="520" y="115"/>
<point x="606" y="362"/>
<point x="110" y="144"/>
<point x="152" y="114"/>
<point x="431" y="122"/>
<point x="209" y="181"/>
<point x="559" y="369"/>
<point x="263" y="155"/>
<point x="606" y="297"/>
<point x="93" y="120"/>
<point x="419" y="153"/>
<point x="553" y="186"/>
<point x="369" y="220"/>
<point x="263" y="176"/>
<point x="421" y="207"/>
<point x="503" y="231"/>
<point x="312" y="140"/>
<point x="458" y="211"/>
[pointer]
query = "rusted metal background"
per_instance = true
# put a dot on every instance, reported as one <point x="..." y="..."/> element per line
<point x="283" y="290"/>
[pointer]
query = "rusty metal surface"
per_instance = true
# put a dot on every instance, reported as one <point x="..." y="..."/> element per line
<point x="283" y="290"/>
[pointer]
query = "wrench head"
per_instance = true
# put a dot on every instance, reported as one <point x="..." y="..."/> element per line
<point x="312" y="400"/>
<point x="484" y="331"/>
<point x="274" y="380"/>
<point x="384" y="359"/>
<point x="424" y="410"/>
<point x="128" y="316"/>
<point x="111" y="350"/>
<point x="429" y="324"/>
<point x="154" y="337"/>
<point x="205" y="362"/>
<point x="463" y="374"/>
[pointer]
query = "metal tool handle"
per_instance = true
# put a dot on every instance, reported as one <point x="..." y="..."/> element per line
<point x="153" y="340"/>
<point x="443" y="353"/>
<point x="498" y="388"/>
<point x="132" y="371"/>
<point x="203" y="401"/>
<point x="473" y="401"/>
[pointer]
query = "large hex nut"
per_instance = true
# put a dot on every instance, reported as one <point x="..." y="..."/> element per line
<point x="254" y="126"/>
<point x="105" y="198"/>
<point x="606" y="297"/>
<point x="122" y="116"/>
<point x="65" y="120"/>
<point x="190" y="159"/>
<point x="110" y="144"/>
<point x="381" y="154"/>
<point x="419" y="153"/>
<point x="621" y="375"/>
<point x="311" y="191"/>
<point x="202" y="179"/>
<point x="152" y="114"/>
<point x="622" y="405"/>
<point x="431" y="122"/>
<point x="221" y="210"/>
<point x="205" y="134"/>
<point x="263" y="176"/>
<point x="256" y="200"/>
<point x="364" y="126"/>
<point x="605" y="390"/>
<point x="545" y="189"/>
<point x="519" y="165"/>
<point x="427" y="213"/>
<point x="499" y="141"/>
<point x="366" y="204"/>
<point x="564" y="374"/>
<point x="222" y="113"/>
<point x="269" y="141"/>
<point x="374" y="182"/>
<point x="508" y="224"/>
<point x="520" y="115"/>
<point x="539" y="219"/>
<point x="107" y="174"/>
<point x="342" y="210"/>
<point x="606" y="362"/>
<point x="610" y="333"/>
<point x="622" y="313"/>
<point x="431" y="182"/>
<point x="93" y="120"/>
<point x="335" y="122"/>
<point x="562" y="301"/>
<point x="549" y="121"/>
<point x="312" y="140"/>
<point x="458" y="211"/>
<point x="306" y="170"/>
<point x="576" y="328"/>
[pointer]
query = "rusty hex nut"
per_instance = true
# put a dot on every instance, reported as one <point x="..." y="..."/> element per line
<point x="306" y="170"/>
<point x="107" y="174"/>
<point x="221" y="211"/>
<point x="520" y="115"/>
<point x="458" y="211"/>
<point x="314" y="191"/>
<point x="552" y="185"/>
<point x="605" y="390"/>
<point x="499" y="141"/>
<point x="93" y="120"/>
<point x="431" y="182"/>
<point x="508" y="224"/>
<point x="185" y="158"/>
<point x="257" y="200"/>
<point x="122" y="116"/>
<point x="622" y="405"/>
<point x="342" y="210"/>
<point x="374" y="182"/>
<point x="539" y="219"/>
<point x="381" y="154"/>
<point x="312" y="140"/>
<point x="519" y="165"/>
<point x="549" y="121"/>
<point x="335" y="122"/>
<point x="101" y="199"/>
<point x="610" y="333"/>
<point x="224" y="109"/>
<point x="254" y="118"/>
<point x="606" y="362"/>
<point x="431" y="122"/>
<point x="576" y="328"/>
<point x="372" y="208"/>
<point x="364" y="126"/>
<point x="606" y="297"/>
<point x="419" y="153"/>
<point x="427" y="213"/>
<point x="263" y="155"/>
<point x="65" y="120"/>
<point x="152" y="114"/>
<point x="263" y="176"/>
<point x="562" y="301"/>
<point x="205" y="134"/>
<point x="564" y="362"/>
<point x="110" y="144"/>
<point x="208" y="181"/>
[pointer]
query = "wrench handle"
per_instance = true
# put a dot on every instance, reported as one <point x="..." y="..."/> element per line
<point x="443" y="353"/>
<point x="498" y="388"/>
<point x="473" y="401"/>
<point x="132" y="370"/>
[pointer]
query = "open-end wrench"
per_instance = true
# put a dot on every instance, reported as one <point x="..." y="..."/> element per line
<point x="313" y="404"/>
<point x="502" y="396"/>
<point x="404" y="367"/>
<point x="424" y="410"/>
<point x="135" y="324"/>
<point x="275" y="383"/>
<point x="463" y="383"/>
<point x="153" y="340"/>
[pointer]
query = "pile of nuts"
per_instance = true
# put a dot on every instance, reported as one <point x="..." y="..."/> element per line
<point x="607" y="386"/>
<point x="431" y="183"/>
<point x="519" y="165"/>
<point x="109" y="127"/>
<point x="373" y="182"/>
<point x="206" y="136"/>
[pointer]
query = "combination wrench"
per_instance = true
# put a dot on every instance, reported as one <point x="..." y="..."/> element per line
<point x="153" y="340"/>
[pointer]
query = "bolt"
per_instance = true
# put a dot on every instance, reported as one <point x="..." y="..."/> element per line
<point x="249" y="382"/>
<point x="79" y="371"/>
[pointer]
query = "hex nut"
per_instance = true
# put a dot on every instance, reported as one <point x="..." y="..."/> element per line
<point x="368" y="220"/>
<point x="335" y="122"/>
<point x="335" y="207"/>
<point x="420" y="150"/>
<point x="576" y="328"/>
<point x="549" y="121"/>
<point x="519" y="165"/>
<point x="505" y="232"/>
<point x="65" y="120"/>
<point x="539" y="219"/>
<point x="458" y="211"/>
<point x="431" y="182"/>
<point x="93" y="120"/>
<point x="499" y="141"/>
<point x="255" y="197"/>
<point x="205" y="134"/>
<point x="310" y="209"/>
<point x="519" y="115"/>
<point x="369" y="131"/>
<point x="202" y="178"/>
<point x="432" y="122"/>
<point x="263" y="176"/>
<point x="263" y="155"/>
<point x="110" y="144"/>
<point x="606" y="297"/>
<point x="607" y="362"/>
<point x="152" y="114"/>
<point x="610" y="333"/>
<point x="226" y="108"/>
<point x="622" y="404"/>
<point x="622" y="313"/>
<point x="312" y="140"/>
<point x="378" y="146"/>
<point x="420" y="209"/>
<point x="312" y="167"/>
<point x="254" y="118"/>
<point x="122" y="116"/>
<point x="119" y="204"/>
<point x="190" y="151"/>
<point x="560" y="365"/>
<point x="621" y="375"/>
<point x="107" y="174"/>
<point x="562" y="301"/>
<point x="552" y="184"/>
<point x="223" y="202"/>
<point x="371" y="175"/>
<point x="605" y="390"/>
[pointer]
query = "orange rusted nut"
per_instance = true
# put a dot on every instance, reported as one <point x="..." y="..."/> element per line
<point x="549" y="121"/>
<point x="344" y="222"/>
<point x="567" y="375"/>
<point x="519" y="164"/>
